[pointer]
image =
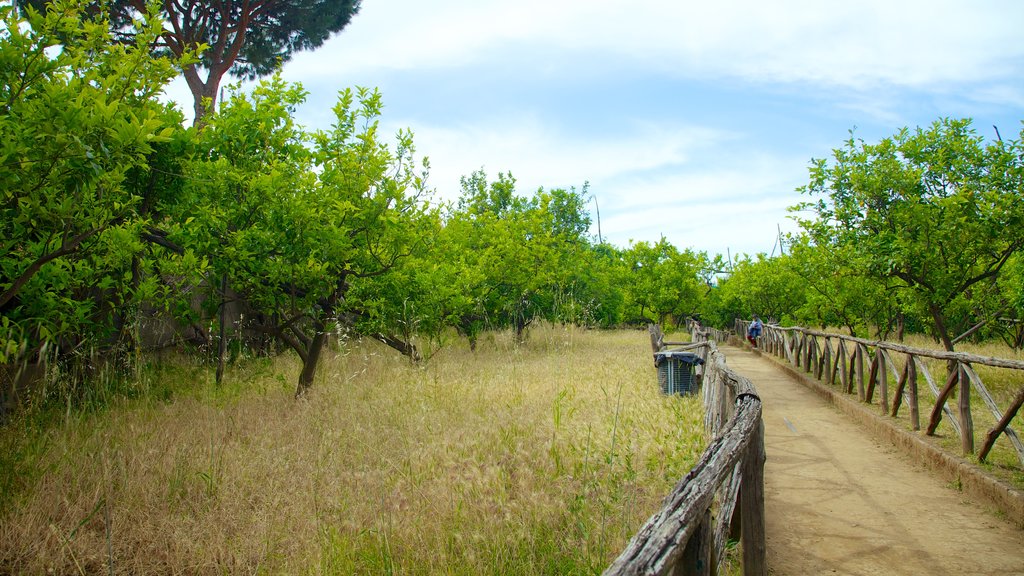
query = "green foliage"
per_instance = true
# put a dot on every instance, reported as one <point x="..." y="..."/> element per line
<point x="291" y="220"/>
<point x="516" y="259"/>
<point x="79" y="121"/>
<point x="768" y="287"/>
<point x="836" y="293"/>
<point x="248" y="39"/>
<point x="934" y="214"/>
<point x="663" y="282"/>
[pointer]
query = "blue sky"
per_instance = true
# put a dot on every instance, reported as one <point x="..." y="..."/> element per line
<point x="696" y="121"/>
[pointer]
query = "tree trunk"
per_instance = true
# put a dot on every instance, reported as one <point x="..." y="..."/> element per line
<point x="201" y="91"/>
<point x="406" y="348"/>
<point x="943" y="333"/>
<point x="468" y="328"/>
<point x="521" y="324"/>
<point x="222" y="345"/>
<point x="316" y="346"/>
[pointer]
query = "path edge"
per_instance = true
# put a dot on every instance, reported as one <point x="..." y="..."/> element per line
<point x="974" y="482"/>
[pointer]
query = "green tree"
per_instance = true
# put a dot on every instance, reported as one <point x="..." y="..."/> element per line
<point x="1010" y="321"/>
<point x="408" y="304"/>
<point x="663" y="282"/>
<point x="502" y="255"/>
<point x="248" y="38"/>
<point x="937" y="210"/>
<point x="761" y="285"/>
<point x="837" y="292"/>
<point x="516" y="259"/>
<point x="292" y="220"/>
<point x="78" y="125"/>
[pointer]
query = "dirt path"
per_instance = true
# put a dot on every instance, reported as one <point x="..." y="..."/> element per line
<point x="838" y="502"/>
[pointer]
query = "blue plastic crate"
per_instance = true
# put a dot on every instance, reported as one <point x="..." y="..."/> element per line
<point x="677" y="372"/>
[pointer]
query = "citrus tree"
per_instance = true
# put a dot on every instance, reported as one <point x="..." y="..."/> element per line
<point x="79" y="125"/>
<point x="938" y="211"/>
<point x="663" y="282"/>
<point x="291" y="220"/>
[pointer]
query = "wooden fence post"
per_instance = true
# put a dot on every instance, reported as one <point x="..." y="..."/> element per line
<point x="842" y="364"/>
<point x="827" y="363"/>
<point x="812" y="358"/>
<point x="869" y="394"/>
<point x="966" y="420"/>
<point x="858" y="355"/>
<point x="915" y="409"/>
<point x="698" y="557"/>
<point x="752" y="503"/>
<point x="657" y="337"/>
<point x="883" y="381"/>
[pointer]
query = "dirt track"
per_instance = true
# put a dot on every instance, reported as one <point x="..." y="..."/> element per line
<point x="838" y="502"/>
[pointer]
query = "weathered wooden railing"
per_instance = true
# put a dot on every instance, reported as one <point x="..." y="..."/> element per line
<point x="864" y="367"/>
<point x="722" y="497"/>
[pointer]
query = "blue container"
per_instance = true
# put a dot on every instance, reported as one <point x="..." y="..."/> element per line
<point x="677" y="372"/>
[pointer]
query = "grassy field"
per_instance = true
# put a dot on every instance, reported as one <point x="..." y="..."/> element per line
<point x="538" y="459"/>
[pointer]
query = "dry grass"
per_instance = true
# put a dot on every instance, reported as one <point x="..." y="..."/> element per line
<point x="542" y="459"/>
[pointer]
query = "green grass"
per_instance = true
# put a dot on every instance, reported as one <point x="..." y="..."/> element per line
<point x="538" y="459"/>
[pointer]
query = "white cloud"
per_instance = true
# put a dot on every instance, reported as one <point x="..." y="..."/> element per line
<point x="712" y="208"/>
<point x="538" y="154"/>
<point x="655" y="162"/>
<point x="650" y="181"/>
<point x="856" y="44"/>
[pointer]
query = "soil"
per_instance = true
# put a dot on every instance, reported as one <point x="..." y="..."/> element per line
<point x="838" y="501"/>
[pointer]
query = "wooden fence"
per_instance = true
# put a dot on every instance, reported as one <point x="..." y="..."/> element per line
<point x="868" y="368"/>
<point x="722" y="497"/>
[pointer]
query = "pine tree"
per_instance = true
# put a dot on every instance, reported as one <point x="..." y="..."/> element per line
<point x="247" y="38"/>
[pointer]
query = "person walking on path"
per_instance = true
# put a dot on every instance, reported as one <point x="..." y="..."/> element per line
<point x="754" y="331"/>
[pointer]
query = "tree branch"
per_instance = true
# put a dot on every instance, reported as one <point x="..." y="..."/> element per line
<point x="159" y="237"/>
<point x="67" y="247"/>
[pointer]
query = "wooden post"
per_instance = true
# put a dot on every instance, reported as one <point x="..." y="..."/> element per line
<point x="966" y="420"/>
<point x="897" y="396"/>
<point x="698" y="557"/>
<point x="844" y="371"/>
<point x="869" y="394"/>
<point x="827" y="362"/>
<point x="883" y="381"/>
<point x="815" y="366"/>
<point x="752" y="503"/>
<point x="915" y="408"/>
<point x="858" y="356"/>
<point x="657" y="337"/>
<point x="933" y="422"/>
<point x="1003" y="423"/>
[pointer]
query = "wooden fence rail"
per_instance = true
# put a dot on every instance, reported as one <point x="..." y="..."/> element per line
<point x="868" y="368"/>
<point x="722" y="497"/>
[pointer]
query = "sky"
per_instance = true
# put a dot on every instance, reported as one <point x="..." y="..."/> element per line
<point x="695" y="121"/>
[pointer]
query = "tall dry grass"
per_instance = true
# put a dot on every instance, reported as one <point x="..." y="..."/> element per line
<point x="538" y="459"/>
